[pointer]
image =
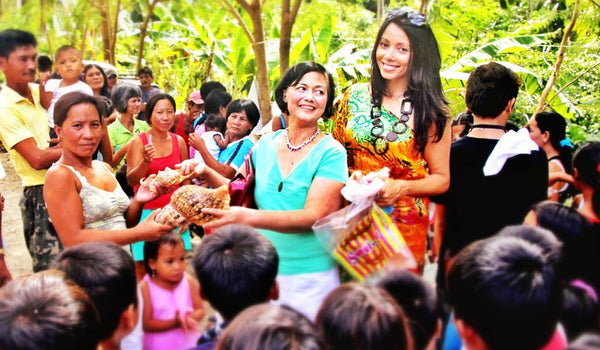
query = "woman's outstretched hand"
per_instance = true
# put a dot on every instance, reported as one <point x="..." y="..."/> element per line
<point x="191" y="166"/>
<point x="233" y="215"/>
<point x="152" y="230"/>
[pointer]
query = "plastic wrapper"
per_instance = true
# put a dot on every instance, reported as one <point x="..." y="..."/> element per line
<point x="362" y="237"/>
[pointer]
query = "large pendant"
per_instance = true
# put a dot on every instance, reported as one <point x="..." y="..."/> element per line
<point x="391" y="136"/>
<point x="280" y="187"/>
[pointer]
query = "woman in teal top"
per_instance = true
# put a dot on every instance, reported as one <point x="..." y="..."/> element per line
<point x="299" y="175"/>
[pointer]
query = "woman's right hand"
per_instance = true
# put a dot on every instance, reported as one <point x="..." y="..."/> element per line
<point x="152" y="230"/>
<point x="149" y="152"/>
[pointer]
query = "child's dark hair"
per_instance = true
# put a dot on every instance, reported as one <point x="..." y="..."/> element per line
<point x="579" y="311"/>
<point x="541" y="236"/>
<point x="209" y="86"/>
<point x="107" y="273"/>
<point x="272" y="327"/>
<point x="44" y="63"/>
<point x="236" y="267"/>
<point x="525" y="310"/>
<point x="12" y="39"/>
<point x="151" y="248"/>
<point x="215" y="121"/>
<point x="47" y="311"/>
<point x="587" y="162"/>
<point x="215" y="100"/>
<point x="556" y="126"/>
<point x="464" y="118"/>
<point x="418" y="300"/>
<point x="355" y="317"/>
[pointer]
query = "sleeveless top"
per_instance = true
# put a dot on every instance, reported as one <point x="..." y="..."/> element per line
<point x="164" y="305"/>
<point x="351" y="126"/>
<point x="552" y="190"/>
<point x="102" y="210"/>
<point x="159" y="164"/>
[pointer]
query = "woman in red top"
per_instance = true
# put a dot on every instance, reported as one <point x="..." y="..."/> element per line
<point x="153" y="151"/>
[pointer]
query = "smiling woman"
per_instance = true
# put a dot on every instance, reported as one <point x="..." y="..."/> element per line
<point x="399" y="121"/>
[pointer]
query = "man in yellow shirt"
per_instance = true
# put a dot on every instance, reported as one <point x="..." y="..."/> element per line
<point x="25" y="134"/>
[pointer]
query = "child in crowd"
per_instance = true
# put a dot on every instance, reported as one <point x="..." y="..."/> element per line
<point x="489" y="312"/>
<point x="70" y="66"/>
<point x="271" y="327"/>
<point x="46" y="311"/>
<point x="107" y="274"/>
<point x="419" y="301"/>
<point x="360" y="317"/>
<point x="213" y="136"/>
<point x="586" y="164"/>
<point x="172" y="303"/>
<point x="236" y="267"/>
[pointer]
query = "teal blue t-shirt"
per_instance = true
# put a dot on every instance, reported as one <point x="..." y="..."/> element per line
<point x="299" y="252"/>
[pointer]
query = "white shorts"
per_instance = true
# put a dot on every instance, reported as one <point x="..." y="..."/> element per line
<point x="305" y="292"/>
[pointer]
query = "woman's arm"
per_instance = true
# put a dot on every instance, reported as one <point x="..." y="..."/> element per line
<point x="139" y="157"/>
<point x="324" y="197"/>
<point x="66" y="212"/>
<point x="437" y="155"/>
<point x="148" y="322"/>
<point x="105" y="147"/>
<point x="224" y="169"/>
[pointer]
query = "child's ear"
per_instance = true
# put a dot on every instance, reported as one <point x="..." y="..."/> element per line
<point x="470" y="338"/>
<point x="274" y="291"/>
<point x="152" y="263"/>
<point x="128" y="320"/>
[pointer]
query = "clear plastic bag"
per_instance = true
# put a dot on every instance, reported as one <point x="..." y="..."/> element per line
<point x="361" y="236"/>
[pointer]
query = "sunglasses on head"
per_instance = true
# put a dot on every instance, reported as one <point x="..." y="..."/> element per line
<point x="415" y="18"/>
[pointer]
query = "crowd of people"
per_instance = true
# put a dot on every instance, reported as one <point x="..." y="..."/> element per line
<point x="516" y="266"/>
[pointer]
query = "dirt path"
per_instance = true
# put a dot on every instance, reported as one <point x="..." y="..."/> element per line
<point x="17" y="257"/>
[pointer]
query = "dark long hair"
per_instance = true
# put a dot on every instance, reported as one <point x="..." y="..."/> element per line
<point x="587" y="162"/>
<point x="556" y="126"/>
<point x="424" y="83"/>
<point x="104" y="89"/>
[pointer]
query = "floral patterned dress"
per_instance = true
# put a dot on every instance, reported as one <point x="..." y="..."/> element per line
<point x="351" y="126"/>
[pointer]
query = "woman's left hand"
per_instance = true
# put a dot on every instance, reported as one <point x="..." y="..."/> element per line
<point x="391" y="192"/>
<point x="196" y="141"/>
<point x="233" y="215"/>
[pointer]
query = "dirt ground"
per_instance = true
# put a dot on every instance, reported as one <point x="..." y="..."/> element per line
<point x="17" y="257"/>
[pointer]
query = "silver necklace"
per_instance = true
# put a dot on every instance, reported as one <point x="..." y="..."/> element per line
<point x="302" y="145"/>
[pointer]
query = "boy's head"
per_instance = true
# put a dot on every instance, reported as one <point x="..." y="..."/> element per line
<point x="47" y="311"/>
<point x="491" y="88"/>
<point x="215" y="122"/>
<point x="272" y="327"/>
<point x="44" y="63"/>
<point x="236" y="267"/>
<point x="216" y="102"/>
<point x="504" y="294"/>
<point x="69" y="63"/>
<point x="146" y="77"/>
<point x="418" y="300"/>
<point x="18" y="56"/>
<point x="107" y="273"/>
<point x="209" y="86"/>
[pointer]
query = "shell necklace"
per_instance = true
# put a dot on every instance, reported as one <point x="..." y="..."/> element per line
<point x="303" y="144"/>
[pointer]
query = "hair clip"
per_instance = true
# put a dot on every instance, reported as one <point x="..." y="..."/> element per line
<point x="566" y="142"/>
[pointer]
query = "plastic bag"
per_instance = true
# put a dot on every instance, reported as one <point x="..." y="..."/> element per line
<point x="362" y="237"/>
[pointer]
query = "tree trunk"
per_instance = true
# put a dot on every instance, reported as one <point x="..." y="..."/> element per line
<point x="260" y="54"/>
<point x="143" y="31"/>
<point x="424" y="7"/>
<point x="288" y="18"/>
<point x="105" y="25"/>
<point x="115" y="28"/>
<point x="559" y="58"/>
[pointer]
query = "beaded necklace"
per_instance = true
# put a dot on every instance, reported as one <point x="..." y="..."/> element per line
<point x="381" y="142"/>
<point x="303" y="144"/>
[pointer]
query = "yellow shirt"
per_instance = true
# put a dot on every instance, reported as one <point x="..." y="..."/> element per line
<point x="20" y="120"/>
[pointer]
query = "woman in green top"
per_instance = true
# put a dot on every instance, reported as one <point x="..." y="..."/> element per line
<point x="299" y="174"/>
